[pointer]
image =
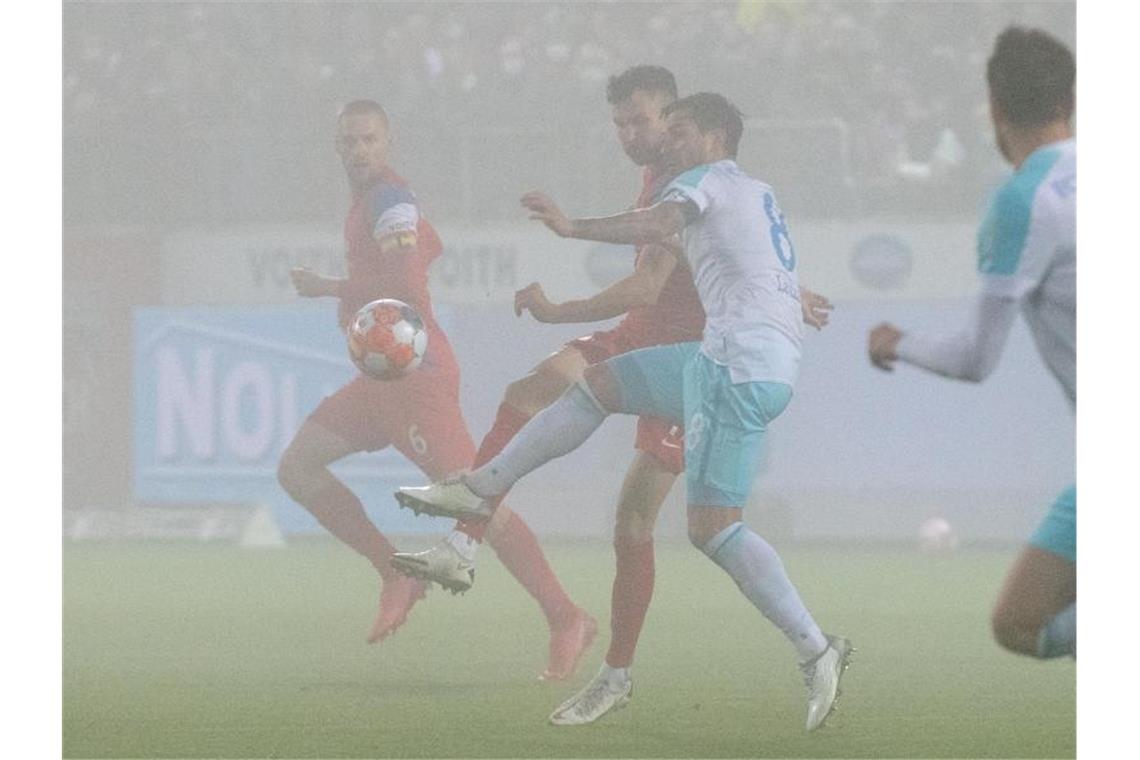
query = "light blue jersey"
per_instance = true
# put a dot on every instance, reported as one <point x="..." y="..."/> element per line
<point x="1027" y="258"/>
<point x="744" y="266"/>
<point x="1027" y="252"/>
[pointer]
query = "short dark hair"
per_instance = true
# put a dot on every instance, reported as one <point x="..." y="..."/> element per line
<point x="712" y="111"/>
<point x="644" y="77"/>
<point x="362" y="108"/>
<point x="1031" y="76"/>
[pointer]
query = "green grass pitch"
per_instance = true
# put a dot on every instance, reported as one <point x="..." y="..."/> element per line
<point x="214" y="651"/>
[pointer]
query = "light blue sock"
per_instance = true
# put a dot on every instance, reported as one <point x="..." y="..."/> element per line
<point x="756" y="567"/>
<point x="1058" y="637"/>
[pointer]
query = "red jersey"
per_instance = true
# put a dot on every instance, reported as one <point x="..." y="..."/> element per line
<point x="677" y="315"/>
<point x="388" y="210"/>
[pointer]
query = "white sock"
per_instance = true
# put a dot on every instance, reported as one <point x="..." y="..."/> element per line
<point x="614" y="677"/>
<point x="463" y="544"/>
<point x="1059" y="636"/>
<point x="555" y="431"/>
<point x="758" y="571"/>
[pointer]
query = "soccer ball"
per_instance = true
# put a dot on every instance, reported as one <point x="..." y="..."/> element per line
<point x="936" y="536"/>
<point x="386" y="339"/>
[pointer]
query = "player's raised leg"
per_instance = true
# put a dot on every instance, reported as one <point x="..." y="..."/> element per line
<point x="522" y="400"/>
<point x="304" y="474"/>
<point x="617" y="385"/>
<point x="1036" y="613"/>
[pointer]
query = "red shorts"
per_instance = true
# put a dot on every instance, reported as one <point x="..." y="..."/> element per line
<point x="662" y="439"/>
<point x="418" y="414"/>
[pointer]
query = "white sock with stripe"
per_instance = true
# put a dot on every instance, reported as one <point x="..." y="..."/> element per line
<point x="760" y="575"/>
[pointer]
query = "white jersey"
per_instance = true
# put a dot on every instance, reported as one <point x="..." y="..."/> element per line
<point x="1027" y="251"/>
<point x="1027" y="258"/>
<point x="744" y="266"/>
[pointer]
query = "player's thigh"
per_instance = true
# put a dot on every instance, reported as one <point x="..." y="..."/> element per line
<point x="1043" y="579"/>
<point x="429" y="429"/>
<point x="547" y="381"/>
<point x="313" y="448"/>
<point x="646" y="382"/>
<point x="647" y="482"/>
<point x="1038" y="586"/>
<point x="352" y="414"/>
<point x="317" y="444"/>
<point x="725" y="431"/>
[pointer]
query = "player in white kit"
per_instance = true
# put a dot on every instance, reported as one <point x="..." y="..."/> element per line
<point x="1027" y="259"/>
<point x="725" y="389"/>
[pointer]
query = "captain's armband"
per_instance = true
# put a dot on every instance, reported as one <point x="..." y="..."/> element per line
<point x="397" y="241"/>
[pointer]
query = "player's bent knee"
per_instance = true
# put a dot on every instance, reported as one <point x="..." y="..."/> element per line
<point x="699" y="536"/>
<point x="289" y="473"/>
<point x="603" y="386"/>
<point x="536" y="391"/>
<point x="634" y="525"/>
<point x="297" y="473"/>
<point x="707" y="522"/>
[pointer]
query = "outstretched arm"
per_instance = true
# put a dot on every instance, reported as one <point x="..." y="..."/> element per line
<point x="970" y="354"/>
<point x="641" y="288"/>
<point x="655" y="224"/>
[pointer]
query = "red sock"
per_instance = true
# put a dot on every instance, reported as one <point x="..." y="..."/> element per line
<point x="633" y="588"/>
<point x="520" y="553"/>
<point x="342" y="514"/>
<point x="508" y="422"/>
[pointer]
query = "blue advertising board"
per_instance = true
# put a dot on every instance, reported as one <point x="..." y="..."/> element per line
<point x="219" y="393"/>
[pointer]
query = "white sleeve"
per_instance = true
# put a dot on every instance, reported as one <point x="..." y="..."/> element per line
<point x="971" y="353"/>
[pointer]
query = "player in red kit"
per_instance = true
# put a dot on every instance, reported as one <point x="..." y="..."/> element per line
<point x="389" y="248"/>
<point x="661" y="306"/>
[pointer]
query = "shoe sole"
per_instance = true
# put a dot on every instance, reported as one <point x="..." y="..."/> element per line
<point x="414" y="569"/>
<point x="421" y="507"/>
<point x="845" y="652"/>
<point x="613" y="709"/>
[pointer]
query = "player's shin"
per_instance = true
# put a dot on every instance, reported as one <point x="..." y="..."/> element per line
<point x="340" y="512"/>
<point x="1058" y="637"/>
<point x="629" y="601"/>
<point x="519" y="551"/>
<point x="555" y="431"/>
<point x="760" y="575"/>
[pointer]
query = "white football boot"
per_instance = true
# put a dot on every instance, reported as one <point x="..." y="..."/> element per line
<point x="821" y="676"/>
<point x="440" y="564"/>
<point x="448" y="498"/>
<point x="602" y="695"/>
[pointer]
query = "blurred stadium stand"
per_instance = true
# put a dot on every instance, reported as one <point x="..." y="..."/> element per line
<point x="219" y="112"/>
